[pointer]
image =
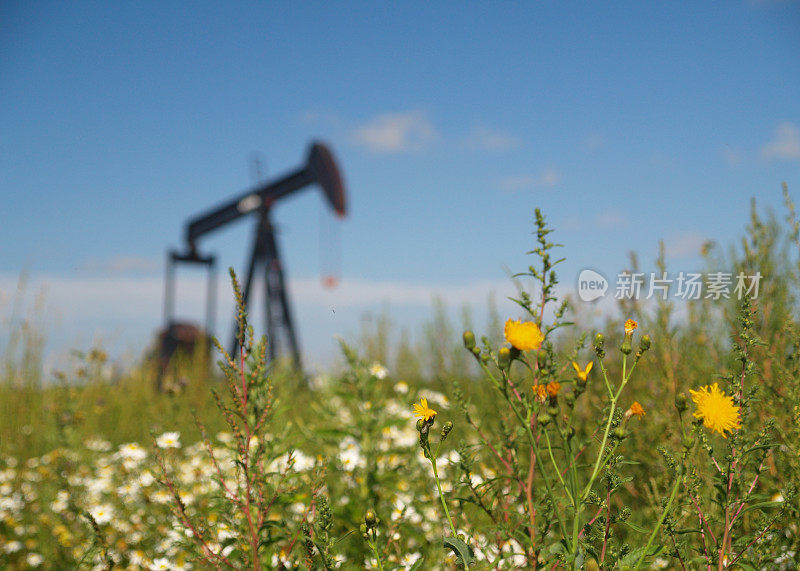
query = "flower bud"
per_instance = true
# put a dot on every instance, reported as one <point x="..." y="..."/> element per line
<point x="681" y="402"/>
<point x="370" y="519"/>
<point x="552" y="411"/>
<point x="476" y="351"/>
<point x="448" y="426"/>
<point x="469" y="340"/>
<point x="541" y="357"/>
<point x="687" y="442"/>
<point x="363" y="529"/>
<point x="569" y="398"/>
<point x="421" y="425"/>
<point x="620" y="434"/>
<point x="544" y="419"/>
<point x="599" y="343"/>
<point x="504" y="358"/>
<point x="644" y="343"/>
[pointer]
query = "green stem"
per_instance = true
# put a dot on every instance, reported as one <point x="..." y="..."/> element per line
<point x="614" y="398"/>
<point x="605" y="379"/>
<point x="533" y="444"/>
<point x="377" y="555"/>
<point x="557" y="469"/>
<point x="574" y="485"/>
<point x="660" y="521"/>
<point x="441" y="495"/>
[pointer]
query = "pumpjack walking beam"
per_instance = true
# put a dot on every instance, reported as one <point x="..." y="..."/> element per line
<point x="321" y="169"/>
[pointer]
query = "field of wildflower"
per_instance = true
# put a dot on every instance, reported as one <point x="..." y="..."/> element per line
<point x="666" y="438"/>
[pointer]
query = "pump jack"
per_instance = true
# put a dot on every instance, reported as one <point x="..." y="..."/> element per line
<point x="320" y="169"/>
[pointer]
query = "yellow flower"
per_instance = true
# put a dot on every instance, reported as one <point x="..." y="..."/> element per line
<point x="630" y="325"/>
<point x="523" y="336"/>
<point x="583" y="374"/>
<point x="635" y="410"/>
<point x="423" y="411"/>
<point x="716" y="409"/>
<point x="540" y="391"/>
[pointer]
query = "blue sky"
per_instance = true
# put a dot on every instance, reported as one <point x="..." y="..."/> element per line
<point x="626" y="123"/>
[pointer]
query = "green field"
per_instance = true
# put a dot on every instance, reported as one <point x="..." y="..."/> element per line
<point x="520" y="457"/>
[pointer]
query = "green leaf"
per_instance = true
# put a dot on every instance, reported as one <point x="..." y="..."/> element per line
<point x="758" y="506"/>
<point x="461" y="549"/>
<point x="631" y="558"/>
<point x="634" y="527"/>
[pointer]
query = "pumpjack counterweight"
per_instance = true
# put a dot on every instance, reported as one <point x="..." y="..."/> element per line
<point x="320" y="169"/>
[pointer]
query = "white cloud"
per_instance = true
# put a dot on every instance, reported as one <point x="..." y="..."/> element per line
<point x="362" y="293"/>
<point x="121" y="265"/>
<point x="491" y="140"/>
<point x="684" y="245"/>
<point x="610" y="219"/>
<point x="125" y="297"/>
<point x="547" y="178"/>
<point x="734" y="157"/>
<point x="322" y="118"/>
<point x="785" y="145"/>
<point x="122" y="313"/>
<point x="594" y="141"/>
<point x="396" y="133"/>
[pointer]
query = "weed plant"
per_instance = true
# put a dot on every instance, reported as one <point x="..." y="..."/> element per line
<point x="653" y="441"/>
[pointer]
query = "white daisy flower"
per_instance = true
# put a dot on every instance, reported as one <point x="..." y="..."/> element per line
<point x="102" y="513"/>
<point x="378" y="371"/>
<point x="169" y="440"/>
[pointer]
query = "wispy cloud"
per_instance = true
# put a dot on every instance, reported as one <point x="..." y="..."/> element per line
<point x="547" y="178"/>
<point x="128" y="297"/>
<point x="125" y="311"/>
<point x="610" y="219"/>
<point x="685" y="244"/>
<point x="785" y="145"/>
<point x="322" y="117"/>
<point x="594" y="142"/>
<point x="362" y="293"/>
<point x="486" y="139"/>
<point x="396" y="133"/>
<point x="121" y="265"/>
<point x="734" y="157"/>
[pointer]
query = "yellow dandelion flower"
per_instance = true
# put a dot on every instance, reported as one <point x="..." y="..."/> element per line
<point x="523" y="336"/>
<point x="583" y="373"/>
<point x="540" y="391"/>
<point x="630" y="325"/>
<point x="552" y="388"/>
<point x="635" y="410"/>
<point x="716" y="409"/>
<point x="423" y="411"/>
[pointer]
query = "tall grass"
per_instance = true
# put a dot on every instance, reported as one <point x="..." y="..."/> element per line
<point x="539" y="468"/>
